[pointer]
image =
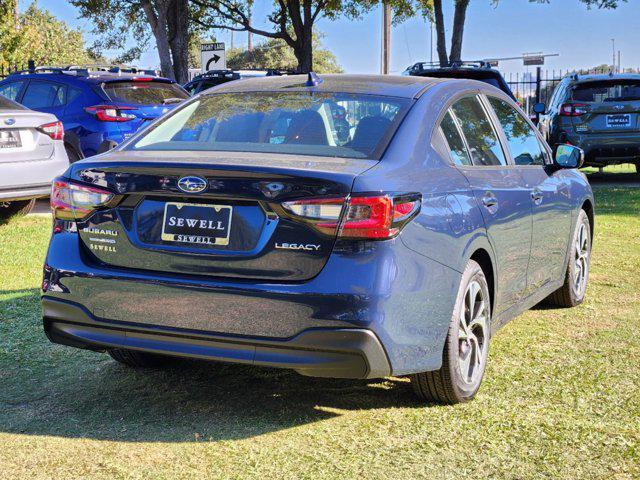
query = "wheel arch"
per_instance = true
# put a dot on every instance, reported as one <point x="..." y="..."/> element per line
<point x="587" y="206"/>
<point x="482" y="257"/>
<point x="72" y="141"/>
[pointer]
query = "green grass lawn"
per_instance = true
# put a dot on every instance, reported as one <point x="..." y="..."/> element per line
<point x="561" y="397"/>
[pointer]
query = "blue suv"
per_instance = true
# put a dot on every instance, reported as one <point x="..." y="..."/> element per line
<point x="97" y="108"/>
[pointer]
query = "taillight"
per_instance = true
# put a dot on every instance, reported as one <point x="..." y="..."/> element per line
<point x="110" y="113"/>
<point x="573" y="109"/>
<point x="55" y="130"/>
<point x="143" y="79"/>
<point x="373" y="217"/>
<point x="71" y="201"/>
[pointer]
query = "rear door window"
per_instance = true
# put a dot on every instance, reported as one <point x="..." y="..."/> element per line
<point x="457" y="149"/>
<point x="522" y="139"/>
<point x="12" y="90"/>
<point x="482" y="139"/>
<point x="44" y="95"/>
<point x="143" y="93"/>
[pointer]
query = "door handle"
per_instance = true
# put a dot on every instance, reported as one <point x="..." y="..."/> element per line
<point x="489" y="200"/>
<point x="536" y="196"/>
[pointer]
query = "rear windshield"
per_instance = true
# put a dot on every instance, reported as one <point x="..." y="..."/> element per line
<point x="607" y="91"/>
<point x="143" y="93"/>
<point x="330" y="125"/>
<point x="6" y="104"/>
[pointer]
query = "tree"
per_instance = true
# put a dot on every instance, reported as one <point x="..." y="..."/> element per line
<point x="276" y="54"/>
<point x="168" y="21"/>
<point x="291" y="21"/>
<point x="37" y="35"/>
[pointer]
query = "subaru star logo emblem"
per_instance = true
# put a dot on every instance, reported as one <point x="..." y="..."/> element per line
<point x="10" y="121"/>
<point x="192" y="184"/>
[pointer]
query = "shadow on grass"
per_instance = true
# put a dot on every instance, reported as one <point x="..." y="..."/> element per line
<point x="48" y="389"/>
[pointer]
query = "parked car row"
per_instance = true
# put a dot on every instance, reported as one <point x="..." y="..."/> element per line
<point x="50" y="117"/>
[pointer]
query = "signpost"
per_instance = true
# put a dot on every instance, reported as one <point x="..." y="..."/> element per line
<point x="533" y="59"/>
<point x="213" y="56"/>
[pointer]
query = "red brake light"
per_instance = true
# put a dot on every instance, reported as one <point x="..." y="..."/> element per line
<point x="143" y="79"/>
<point x="70" y="201"/>
<point x="55" y="130"/>
<point x="110" y="113"/>
<point x="360" y="217"/>
<point x="573" y="109"/>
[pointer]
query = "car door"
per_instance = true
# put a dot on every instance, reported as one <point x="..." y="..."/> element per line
<point x="549" y="195"/>
<point x="501" y="195"/>
<point x="45" y="96"/>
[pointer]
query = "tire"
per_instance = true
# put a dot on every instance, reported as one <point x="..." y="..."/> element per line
<point x="135" y="359"/>
<point x="572" y="292"/>
<point x="13" y="209"/>
<point x="71" y="154"/>
<point x="466" y="350"/>
<point x="638" y="168"/>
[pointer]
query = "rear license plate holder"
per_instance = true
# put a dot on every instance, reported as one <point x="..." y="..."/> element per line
<point x="618" y="120"/>
<point x="196" y="223"/>
<point x="10" y="139"/>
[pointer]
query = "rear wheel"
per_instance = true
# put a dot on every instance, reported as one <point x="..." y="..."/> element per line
<point x="11" y="209"/>
<point x="574" y="288"/>
<point x="467" y="345"/>
<point x="135" y="359"/>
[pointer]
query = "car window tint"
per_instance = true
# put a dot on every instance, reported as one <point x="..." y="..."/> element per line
<point x="457" y="149"/>
<point x="73" y="93"/>
<point x="43" y="95"/>
<point x="143" y="93"/>
<point x="483" y="142"/>
<point x="321" y="124"/>
<point x="522" y="139"/>
<point x="11" y="90"/>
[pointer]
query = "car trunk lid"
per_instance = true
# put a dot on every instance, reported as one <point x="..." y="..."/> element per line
<point x="20" y="140"/>
<point x="236" y="227"/>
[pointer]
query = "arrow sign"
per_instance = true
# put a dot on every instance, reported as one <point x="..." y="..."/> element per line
<point x="213" y="56"/>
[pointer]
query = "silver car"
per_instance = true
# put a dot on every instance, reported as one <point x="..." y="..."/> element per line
<point x="32" y="154"/>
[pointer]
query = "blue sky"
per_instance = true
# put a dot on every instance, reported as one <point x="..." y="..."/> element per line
<point x="582" y="37"/>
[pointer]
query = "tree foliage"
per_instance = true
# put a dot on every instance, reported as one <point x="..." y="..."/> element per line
<point x="38" y="35"/>
<point x="290" y="21"/>
<point x="276" y="54"/>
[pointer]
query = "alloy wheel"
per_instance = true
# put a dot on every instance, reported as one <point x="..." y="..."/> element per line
<point x="473" y="335"/>
<point x="581" y="261"/>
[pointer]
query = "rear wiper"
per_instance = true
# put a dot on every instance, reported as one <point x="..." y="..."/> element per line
<point x="170" y="100"/>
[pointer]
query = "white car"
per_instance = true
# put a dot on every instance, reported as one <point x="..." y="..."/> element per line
<point x="32" y="154"/>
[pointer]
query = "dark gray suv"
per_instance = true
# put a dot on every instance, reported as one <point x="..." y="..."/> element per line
<point x="598" y="113"/>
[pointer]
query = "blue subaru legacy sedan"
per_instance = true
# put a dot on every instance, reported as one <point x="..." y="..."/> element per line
<point x="253" y="224"/>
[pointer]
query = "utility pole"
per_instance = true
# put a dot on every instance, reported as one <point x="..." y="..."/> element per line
<point x="613" y="51"/>
<point x="431" y="45"/>
<point x="386" y="39"/>
<point x="231" y="39"/>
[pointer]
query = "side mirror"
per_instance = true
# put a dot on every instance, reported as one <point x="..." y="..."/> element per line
<point x="568" y="156"/>
<point x="106" y="145"/>
<point x="539" y="108"/>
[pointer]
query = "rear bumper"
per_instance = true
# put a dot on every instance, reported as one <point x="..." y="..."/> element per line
<point x="339" y="352"/>
<point x="25" y="193"/>
<point x="605" y="149"/>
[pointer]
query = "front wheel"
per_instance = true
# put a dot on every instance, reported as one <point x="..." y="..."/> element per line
<point x="574" y="288"/>
<point x="11" y="209"/>
<point x="466" y="348"/>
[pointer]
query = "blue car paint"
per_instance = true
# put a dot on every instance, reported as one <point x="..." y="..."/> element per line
<point x="403" y="290"/>
<point x="83" y="131"/>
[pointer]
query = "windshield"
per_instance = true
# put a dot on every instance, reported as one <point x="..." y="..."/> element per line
<point x="6" y="104"/>
<point x="607" y="91"/>
<point x="143" y="93"/>
<point x="334" y="125"/>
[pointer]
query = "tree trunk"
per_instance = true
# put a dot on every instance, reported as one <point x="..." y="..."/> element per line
<point x="441" y="40"/>
<point x="178" y="23"/>
<point x="157" y="19"/>
<point x="458" y="30"/>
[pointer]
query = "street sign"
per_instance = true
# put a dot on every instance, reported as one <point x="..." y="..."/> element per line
<point x="533" y="59"/>
<point x="213" y="56"/>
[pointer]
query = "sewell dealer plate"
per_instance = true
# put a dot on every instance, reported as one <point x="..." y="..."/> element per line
<point x="196" y="224"/>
